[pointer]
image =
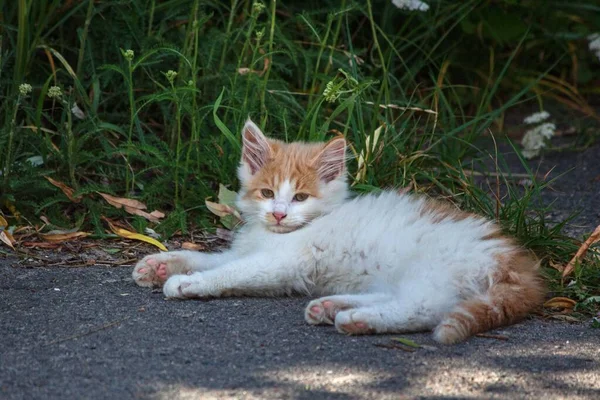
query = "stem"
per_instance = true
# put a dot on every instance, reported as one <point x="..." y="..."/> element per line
<point x="270" y="54"/>
<point x="178" y="150"/>
<point x="84" y="34"/>
<point x="11" y="135"/>
<point x="130" y="133"/>
<point x="70" y="145"/>
<point x="151" y="21"/>
<point x="227" y="33"/>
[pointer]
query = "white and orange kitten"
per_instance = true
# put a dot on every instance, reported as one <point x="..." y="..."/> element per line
<point x="385" y="262"/>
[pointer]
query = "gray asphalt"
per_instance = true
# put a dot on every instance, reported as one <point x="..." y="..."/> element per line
<point x="90" y="333"/>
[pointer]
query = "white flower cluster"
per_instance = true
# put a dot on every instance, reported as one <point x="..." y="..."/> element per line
<point x="536" y="138"/>
<point x="536" y="118"/>
<point x="412" y="5"/>
<point x="595" y="44"/>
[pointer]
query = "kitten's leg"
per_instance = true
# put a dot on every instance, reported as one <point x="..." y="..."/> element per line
<point x="393" y="316"/>
<point x="154" y="269"/>
<point x="264" y="274"/>
<point x="324" y="309"/>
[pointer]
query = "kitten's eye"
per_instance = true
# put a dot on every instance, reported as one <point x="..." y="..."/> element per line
<point x="267" y="193"/>
<point x="300" y="196"/>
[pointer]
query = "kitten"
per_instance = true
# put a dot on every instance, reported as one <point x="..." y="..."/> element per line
<point x="384" y="262"/>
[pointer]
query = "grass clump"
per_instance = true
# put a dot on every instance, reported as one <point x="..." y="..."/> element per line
<point x="145" y="99"/>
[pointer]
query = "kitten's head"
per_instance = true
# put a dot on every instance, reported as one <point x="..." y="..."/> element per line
<point x="285" y="186"/>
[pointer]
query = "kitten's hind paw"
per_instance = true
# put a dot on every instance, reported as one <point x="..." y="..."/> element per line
<point x="352" y="323"/>
<point x="155" y="269"/>
<point x="321" y="311"/>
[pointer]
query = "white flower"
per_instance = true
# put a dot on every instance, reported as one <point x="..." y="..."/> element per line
<point x="537" y="117"/>
<point x="54" y="92"/>
<point x="412" y="5"/>
<point x="595" y="44"/>
<point x="128" y="54"/>
<point x="25" y="88"/>
<point x="535" y="139"/>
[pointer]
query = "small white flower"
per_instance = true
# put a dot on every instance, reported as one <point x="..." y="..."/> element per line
<point x="412" y="5"/>
<point x="547" y="130"/>
<point x="537" y="117"/>
<point x="171" y="75"/>
<point x="25" y="88"/>
<point x="595" y="44"/>
<point x="128" y="54"/>
<point x="535" y="139"/>
<point x="54" y="92"/>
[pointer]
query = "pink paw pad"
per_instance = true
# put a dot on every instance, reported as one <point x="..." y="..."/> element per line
<point x="330" y="309"/>
<point x="357" y="328"/>
<point x="151" y="262"/>
<point x="315" y="309"/>
<point x="161" y="271"/>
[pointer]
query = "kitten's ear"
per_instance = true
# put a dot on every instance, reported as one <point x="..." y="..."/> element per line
<point x="331" y="162"/>
<point x="256" y="149"/>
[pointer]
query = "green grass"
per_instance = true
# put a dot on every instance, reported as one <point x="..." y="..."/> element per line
<point x="304" y="71"/>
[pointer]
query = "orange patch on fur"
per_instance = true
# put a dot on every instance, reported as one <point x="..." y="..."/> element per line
<point x="294" y="162"/>
<point x="440" y="210"/>
<point x="516" y="289"/>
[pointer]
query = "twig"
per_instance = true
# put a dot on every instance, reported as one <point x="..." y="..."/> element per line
<point x="79" y="335"/>
<point x="394" y="346"/>
<point x="594" y="237"/>
<point x="491" y="336"/>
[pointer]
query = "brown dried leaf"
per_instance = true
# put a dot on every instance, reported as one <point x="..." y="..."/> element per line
<point x="192" y="246"/>
<point x="133" y="207"/>
<point x="7" y="239"/>
<point x="3" y="222"/>
<point x="560" y="302"/>
<point x="594" y="237"/>
<point x="221" y="210"/>
<point x="120" y="202"/>
<point x="563" y="317"/>
<point x="42" y="245"/>
<point x="63" y="237"/>
<point x="65" y="189"/>
<point x="556" y="266"/>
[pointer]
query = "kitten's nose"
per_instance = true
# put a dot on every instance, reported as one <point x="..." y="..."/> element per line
<point x="279" y="216"/>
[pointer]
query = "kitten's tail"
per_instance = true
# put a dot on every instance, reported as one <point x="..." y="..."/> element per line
<point x="515" y="290"/>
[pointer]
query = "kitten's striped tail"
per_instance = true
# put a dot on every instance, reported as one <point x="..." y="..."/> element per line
<point x="515" y="291"/>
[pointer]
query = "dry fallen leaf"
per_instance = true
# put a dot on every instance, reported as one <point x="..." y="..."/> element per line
<point x="65" y="189"/>
<point x="7" y="238"/>
<point x="42" y="245"/>
<point x="594" y="237"/>
<point x="563" y="317"/>
<point x="58" y="236"/>
<point x="221" y="210"/>
<point x="192" y="246"/>
<point x="560" y="302"/>
<point x="132" y="235"/>
<point x="132" y="206"/>
<point x="3" y="222"/>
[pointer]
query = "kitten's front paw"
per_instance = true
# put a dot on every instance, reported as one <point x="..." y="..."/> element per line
<point x="185" y="287"/>
<point x="153" y="270"/>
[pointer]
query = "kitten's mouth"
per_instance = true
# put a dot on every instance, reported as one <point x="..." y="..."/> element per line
<point x="283" y="228"/>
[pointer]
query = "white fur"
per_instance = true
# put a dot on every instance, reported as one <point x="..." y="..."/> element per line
<point x="379" y="258"/>
<point x="374" y="244"/>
